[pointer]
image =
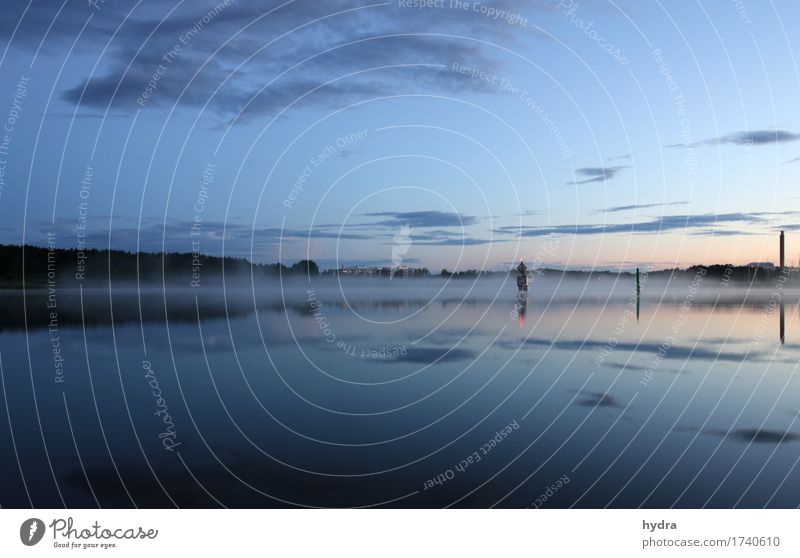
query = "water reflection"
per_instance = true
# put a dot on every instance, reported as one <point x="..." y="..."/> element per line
<point x="367" y="394"/>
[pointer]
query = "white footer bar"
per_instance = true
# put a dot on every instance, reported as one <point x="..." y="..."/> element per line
<point x="400" y="533"/>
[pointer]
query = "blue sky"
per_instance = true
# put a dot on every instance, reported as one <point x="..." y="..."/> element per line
<point x="596" y="133"/>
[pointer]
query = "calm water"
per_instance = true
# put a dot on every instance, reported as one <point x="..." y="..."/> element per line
<point x="412" y="394"/>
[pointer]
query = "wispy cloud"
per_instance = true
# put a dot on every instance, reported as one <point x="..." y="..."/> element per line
<point x="466" y="241"/>
<point x="657" y="225"/>
<point x="597" y="174"/>
<point x="422" y="219"/>
<point x="238" y="237"/>
<point x="619" y="208"/>
<point x="722" y="232"/>
<point x="752" y="137"/>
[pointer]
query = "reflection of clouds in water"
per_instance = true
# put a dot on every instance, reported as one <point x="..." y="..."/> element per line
<point x="723" y="340"/>
<point x="430" y="355"/>
<point x="637" y="368"/>
<point x="754" y="435"/>
<point x="675" y="351"/>
<point x="598" y="399"/>
<point x="450" y="336"/>
<point x="761" y="435"/>
<point x="447" y="341"/>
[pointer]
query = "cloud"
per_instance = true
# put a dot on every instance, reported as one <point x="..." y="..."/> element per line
<point x="441" y="237"/>
<point x="432" y="228"/>
<point x="360" y="49"/>
<point x="466" y="241"/>
<point x="175" y="236"/>
<point x="758" y="137"/>
<point x="754" y="137"/>
<point x="657" y="225"/>
<point x="619" y="208"/>
<point x="423" y="219"/>
<point x="721" y="232"/>
<point x="792" y="160"/>
<point x="597" y="174"/>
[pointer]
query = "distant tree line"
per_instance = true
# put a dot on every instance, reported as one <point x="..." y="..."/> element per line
<point x="71" y="265"/>
<point x="729" y="273"/>
<point x="726" y="273"/>
<point x="97" y="266"/>
<point x="466" y="274"/>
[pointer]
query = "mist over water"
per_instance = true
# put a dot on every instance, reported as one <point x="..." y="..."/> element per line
<point x="403" y="392"/>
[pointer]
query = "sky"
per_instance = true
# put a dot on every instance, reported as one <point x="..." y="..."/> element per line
<point x="463" y="135"/>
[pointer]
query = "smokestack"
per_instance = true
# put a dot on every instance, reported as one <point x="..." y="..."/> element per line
<point x="782" y="251"/>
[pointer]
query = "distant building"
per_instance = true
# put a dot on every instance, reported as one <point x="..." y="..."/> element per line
<point x="370" y="271"/>
<point x="762" y="265"/>
<point x="360" y="271"/>
<point x="402" y="271"/>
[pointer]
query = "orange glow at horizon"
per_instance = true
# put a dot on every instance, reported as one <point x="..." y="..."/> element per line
<point x="662" y="251"/>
